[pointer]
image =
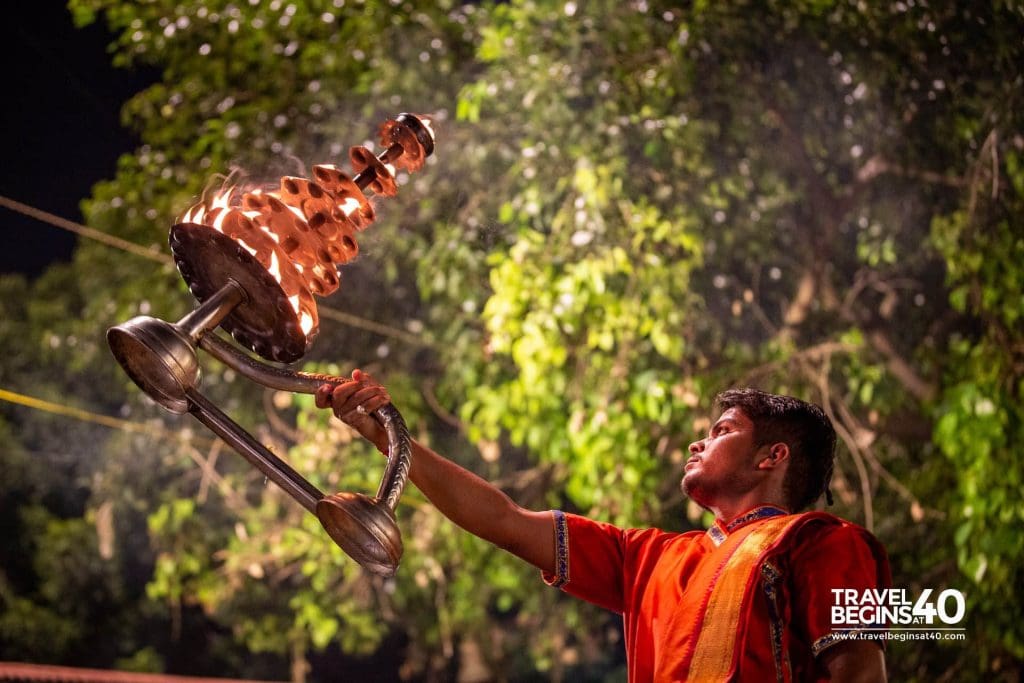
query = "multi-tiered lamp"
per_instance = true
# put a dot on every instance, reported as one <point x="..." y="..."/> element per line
<point x="255" y="260"/>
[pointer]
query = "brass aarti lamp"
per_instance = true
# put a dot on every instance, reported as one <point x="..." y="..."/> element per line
<point x="254" y="260"/>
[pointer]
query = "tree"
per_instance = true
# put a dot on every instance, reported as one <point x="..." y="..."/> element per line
<point x="633" y="205"/>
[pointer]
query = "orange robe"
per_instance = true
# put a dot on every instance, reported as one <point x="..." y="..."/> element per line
<point x="748" y="600"/>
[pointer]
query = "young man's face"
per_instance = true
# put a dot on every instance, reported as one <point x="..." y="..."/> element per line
<point x="723" y="463"/>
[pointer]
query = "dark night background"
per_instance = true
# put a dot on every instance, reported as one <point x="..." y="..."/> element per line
<point x="61" y="126"/>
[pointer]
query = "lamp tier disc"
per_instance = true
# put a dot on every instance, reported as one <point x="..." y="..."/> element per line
<point x="266" y="321"/>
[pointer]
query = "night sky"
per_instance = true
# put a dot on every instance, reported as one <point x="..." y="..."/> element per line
<point x="61" y="126"/>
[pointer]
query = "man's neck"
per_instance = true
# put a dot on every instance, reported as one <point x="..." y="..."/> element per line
<point x="726" y="511"/>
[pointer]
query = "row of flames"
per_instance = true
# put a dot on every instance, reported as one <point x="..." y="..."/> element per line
<point x="302" y="231"/>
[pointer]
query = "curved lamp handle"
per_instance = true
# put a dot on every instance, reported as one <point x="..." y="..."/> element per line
<point x="396" y="474"/>
<point x="363" y="527"/>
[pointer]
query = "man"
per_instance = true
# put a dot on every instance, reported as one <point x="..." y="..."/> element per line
<point x="748" y="600"/>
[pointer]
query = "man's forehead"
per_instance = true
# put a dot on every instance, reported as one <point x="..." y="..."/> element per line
<point x="736" y="416"/>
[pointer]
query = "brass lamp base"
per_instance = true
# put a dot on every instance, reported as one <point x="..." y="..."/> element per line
<point x="364" y="528"/>
<point x="162" y="359"/>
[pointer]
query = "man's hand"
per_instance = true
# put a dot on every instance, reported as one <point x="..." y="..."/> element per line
<point x="353" y="402"/>
<point x="461" y="496"/>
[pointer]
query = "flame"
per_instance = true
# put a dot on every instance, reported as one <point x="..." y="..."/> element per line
<point x="222" y="200"/>
<point x="349" y="206"/>
<point x="300" y="247"/>
<point x="218" y="222"/>
<point x="246" y="247"/>
<point x="275" y="272"/>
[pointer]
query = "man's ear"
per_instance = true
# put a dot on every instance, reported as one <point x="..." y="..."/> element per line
<point x="778" y="453"/>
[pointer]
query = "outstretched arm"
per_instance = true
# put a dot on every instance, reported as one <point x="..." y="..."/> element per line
<point x="472" y="503"/>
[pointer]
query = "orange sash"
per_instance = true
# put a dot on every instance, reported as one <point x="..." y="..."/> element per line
<point x="714" y="656"/>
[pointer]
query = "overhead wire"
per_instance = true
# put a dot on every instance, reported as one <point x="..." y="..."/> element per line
<point x="85" y="231"/>
<point x="160" y="257"/>
<point x="95" y="418"/>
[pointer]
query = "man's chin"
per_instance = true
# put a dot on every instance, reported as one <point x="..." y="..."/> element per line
<point x="690" y="487"/>
<point x="687" y="484"/>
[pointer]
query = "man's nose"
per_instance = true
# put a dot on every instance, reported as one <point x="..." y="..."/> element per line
<point x="696" y="447"/>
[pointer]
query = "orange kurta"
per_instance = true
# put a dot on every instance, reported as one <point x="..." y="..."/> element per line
<point x="747" y="600"/>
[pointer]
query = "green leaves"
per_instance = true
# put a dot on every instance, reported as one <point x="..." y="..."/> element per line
<point x="632" y="206"/>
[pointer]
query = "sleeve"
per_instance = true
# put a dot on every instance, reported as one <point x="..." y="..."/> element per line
<point x="839" y="557"/>
<point x="589" y="560"/>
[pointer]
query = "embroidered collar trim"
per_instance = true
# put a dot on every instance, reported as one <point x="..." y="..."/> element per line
<point x="719" y="531"/>
<point x="757" y="513"/>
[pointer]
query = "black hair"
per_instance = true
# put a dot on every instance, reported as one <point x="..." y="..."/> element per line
<point x="802" y="426"/>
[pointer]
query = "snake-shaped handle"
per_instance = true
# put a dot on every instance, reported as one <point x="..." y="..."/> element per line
<point x="363" y="527"/>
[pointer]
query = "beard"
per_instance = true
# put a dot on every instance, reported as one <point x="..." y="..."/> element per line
<point x="708" y="486"/>
<point x="696" y="489"/>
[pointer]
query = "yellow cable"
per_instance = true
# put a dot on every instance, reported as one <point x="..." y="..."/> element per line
<point x="86" y="416"/>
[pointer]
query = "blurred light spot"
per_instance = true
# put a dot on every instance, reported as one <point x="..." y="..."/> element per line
<point x="984" y="406"/>
<point x="581" y="238"/>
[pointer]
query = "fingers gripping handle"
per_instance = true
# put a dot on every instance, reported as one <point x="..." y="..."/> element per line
<point x="396" y="473"/>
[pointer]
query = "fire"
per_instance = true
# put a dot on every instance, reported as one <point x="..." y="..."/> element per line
<point x="302" y="231"/>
